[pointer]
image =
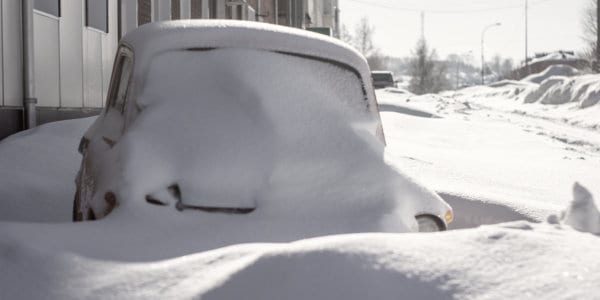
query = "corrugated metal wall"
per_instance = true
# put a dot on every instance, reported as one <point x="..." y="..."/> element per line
<point x="11" y="49"/>
<point x="73" y="62"/>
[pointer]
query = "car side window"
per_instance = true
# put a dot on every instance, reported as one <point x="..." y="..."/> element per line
<point x="120" y="80"/>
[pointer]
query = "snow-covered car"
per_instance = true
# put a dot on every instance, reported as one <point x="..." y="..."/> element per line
<point x="383" y="79"/>
<point x="246" y="120"/>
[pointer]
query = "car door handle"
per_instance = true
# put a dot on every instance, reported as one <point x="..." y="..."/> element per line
<point x="109" y="142"/>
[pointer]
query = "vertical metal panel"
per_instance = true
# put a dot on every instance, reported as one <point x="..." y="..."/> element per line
<point x="163" y="10"/>
<point x="205" y="9"/>
<point x="47" y="56"/>
<point x="109" y="47"/>
<point x="221" y="9"/>
<point x="186" y="8"/>
<point x="92" y="68"/>
<point x="12" y="52"/>
<point x="71" y="53"/>
<point x="1" y="59"/>
<point x="128" y="16"/>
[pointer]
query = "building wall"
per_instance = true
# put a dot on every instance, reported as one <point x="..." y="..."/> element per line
<point x="11" y="52"/>
<point x="73" y="62"/>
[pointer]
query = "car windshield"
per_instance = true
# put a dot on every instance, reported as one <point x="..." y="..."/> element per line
<point x="183" y="75"/>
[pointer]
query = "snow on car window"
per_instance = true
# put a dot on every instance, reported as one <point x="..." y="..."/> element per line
<point x="240" y="126"/>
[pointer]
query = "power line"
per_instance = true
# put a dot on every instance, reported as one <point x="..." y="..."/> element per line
<point x="434" y="11"/>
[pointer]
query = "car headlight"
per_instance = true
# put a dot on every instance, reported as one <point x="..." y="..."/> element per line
<point x="449" y="216"/>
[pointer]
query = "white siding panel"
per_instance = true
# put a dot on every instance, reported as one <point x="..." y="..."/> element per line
<point x="71" y="53"/>
<point x="221" y="9"/>
<point x="129" y="16"/>
<point x="186" y="9"/>
<point x="92" y="68"/>
<point x="12" y="52"/>
<point x="1" y="59"/>
<point x="46" y="56"/>
<point x="109" y="47"/>
<point x="205" y="10"/>
<point x="162" y="10"/>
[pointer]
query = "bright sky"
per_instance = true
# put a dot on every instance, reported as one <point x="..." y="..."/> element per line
<point x="455" y="26"/>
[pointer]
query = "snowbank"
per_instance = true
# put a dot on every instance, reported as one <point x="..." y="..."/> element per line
<point x="37" y="172"/>
<point x="582" y="90"/>
<point x="515" y="260"/>
<point x="582" y="214"/>
<point x="554" y="70"/>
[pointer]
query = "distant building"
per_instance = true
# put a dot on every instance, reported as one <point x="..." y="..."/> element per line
<point x="62" y="59"/>
<point x="543" y="60"/>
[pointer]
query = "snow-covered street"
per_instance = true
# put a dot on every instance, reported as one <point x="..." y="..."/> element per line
<point x="508" y="159"/>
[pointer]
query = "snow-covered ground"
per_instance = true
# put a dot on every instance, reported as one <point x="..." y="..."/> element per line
<point x="493" y="157"/>
<point x="473" y="144"/>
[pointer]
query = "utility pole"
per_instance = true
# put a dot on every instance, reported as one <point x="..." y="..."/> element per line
<point x="29" y="99"/>
<point x="597" y="69"/>
<point x="423" y="25"/>
<point x="527" y="37"/>
<point x="337" y="19"/>
<point x="482" y="49"/>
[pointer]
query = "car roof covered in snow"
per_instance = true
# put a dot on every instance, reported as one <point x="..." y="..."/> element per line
<point x="159" y="37"/>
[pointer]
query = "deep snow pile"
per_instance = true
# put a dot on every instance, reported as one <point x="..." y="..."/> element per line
<point x="514" y="260"/>
<point x="582" y="214"/>
<point x="37" y="171"/>
<point x="160" y="255"/>
<point x="582" y="90"/>
<point x="573" y="100"/>
<point x="554" y="70"/>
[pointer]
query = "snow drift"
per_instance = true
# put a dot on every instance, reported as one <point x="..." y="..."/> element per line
<point x="582" y="214"/>
<point x="514" y="260"/>
<point x="554" y="70"/>
<point x="37" y="171"/>
<point x="582" y="90"/>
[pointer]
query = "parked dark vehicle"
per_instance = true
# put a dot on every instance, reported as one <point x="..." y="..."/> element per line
<point x="383" y="79"/>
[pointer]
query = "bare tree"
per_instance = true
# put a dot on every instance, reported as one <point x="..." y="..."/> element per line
<point x="590" y="29"/>
<point x="346" y="36"/>
<point x="506" y="70"/>
<point x="501" y="67"/>
<point x="362" y="40"/>
<point x="363" y="37"/>
<point x="428" y="75"/>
